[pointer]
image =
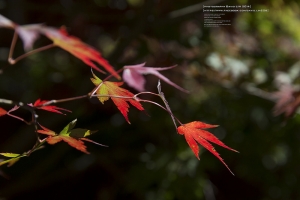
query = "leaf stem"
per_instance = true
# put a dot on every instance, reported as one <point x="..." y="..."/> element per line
<point x="157" y="104"/>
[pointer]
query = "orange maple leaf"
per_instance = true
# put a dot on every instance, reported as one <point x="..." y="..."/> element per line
<point x="66" y="135"/>
<point x="193" y="133"/>
<point x="79" y="49"/>
<point x="118" y="95"/>
<point x="38" y="104"/>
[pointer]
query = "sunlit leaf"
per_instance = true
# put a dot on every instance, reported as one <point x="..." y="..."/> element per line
<point x="119" y="96"/>
<point x="194" y="133"/>
<point x="68" y="128"/>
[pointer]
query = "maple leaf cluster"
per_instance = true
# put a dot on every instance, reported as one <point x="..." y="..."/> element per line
<point x="133" y="75"/>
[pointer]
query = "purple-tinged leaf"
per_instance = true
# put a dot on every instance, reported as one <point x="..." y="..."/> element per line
<point x="133" y="76"/>
<point x="29" y="34"/>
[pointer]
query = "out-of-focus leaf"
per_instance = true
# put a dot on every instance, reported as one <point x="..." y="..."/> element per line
<point x="132" y="75"/>
<point x="6" y="23"/>
<point x="2" y="112"/>
<point x="79" y="49"/>
<point x="29" y="34"/>
<point x="288" y="100"/>
<point x="14" y="157"/>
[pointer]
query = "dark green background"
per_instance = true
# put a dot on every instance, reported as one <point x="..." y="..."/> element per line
<point x="147" y="159"/>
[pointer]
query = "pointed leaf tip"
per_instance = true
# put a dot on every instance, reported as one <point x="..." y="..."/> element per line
<point x="194" y="134"/>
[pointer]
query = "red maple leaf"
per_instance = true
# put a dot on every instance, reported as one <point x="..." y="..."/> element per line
<point x="118" y="95"/>
<point x="38" y="104"/>
<point x="79" y="49"/>
<point x="193" y="133"/>
<point x="2" y="112"/>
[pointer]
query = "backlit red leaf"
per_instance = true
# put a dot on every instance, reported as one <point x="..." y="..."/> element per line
<point x="49" y="108"/>
<point x="79" y="49"/>
<point x="193" y="133"/>
<point x="119" y="96"/>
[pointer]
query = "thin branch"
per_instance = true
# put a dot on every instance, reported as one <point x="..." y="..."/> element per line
<point x="95" y="90"/>
<point x="147" y="93"/>
<point x="114" y="96"/>
<point x="98" y="86"/>
<point x="37" y="146"/>
<point x="19" y="118"/>
<point x="162" y="96"/>
<point x="12" y="46"/>
<point x="108" y="77"/>
<point x="63" y="100"/>
<point x="14" y="61"/>
<point x="157" y="104"/>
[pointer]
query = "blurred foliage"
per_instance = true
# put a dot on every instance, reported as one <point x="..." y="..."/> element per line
<point x="147" y="159"/>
